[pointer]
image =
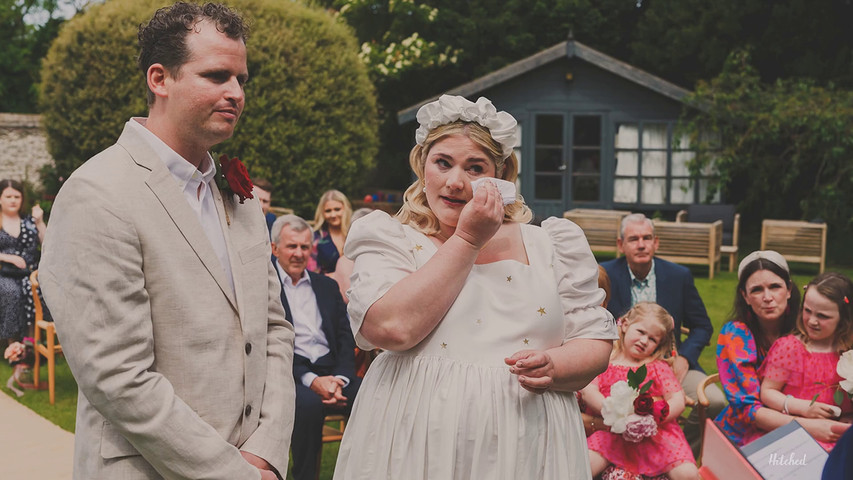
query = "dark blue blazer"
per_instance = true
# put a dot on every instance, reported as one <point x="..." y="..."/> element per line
<point x="676" y="293"/>
<point x="335" y="324"/>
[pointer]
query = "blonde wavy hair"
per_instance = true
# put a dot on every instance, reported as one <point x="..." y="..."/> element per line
<point x="320" y="218"/>
<point x="641" y="311"/>
<point x="416" y="212"/>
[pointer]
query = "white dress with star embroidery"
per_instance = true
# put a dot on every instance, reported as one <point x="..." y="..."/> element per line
<point x="448" y="408"/>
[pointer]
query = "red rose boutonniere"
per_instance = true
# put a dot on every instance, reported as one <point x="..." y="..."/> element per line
<point x="236" y="178"/>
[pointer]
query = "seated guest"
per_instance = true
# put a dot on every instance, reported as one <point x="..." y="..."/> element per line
<point x="323" y="360"/>
<point x="840" y="461"/>
<point x="331" y="224"/>
<point x="263" y="192"/>
<point x="765" y="309"/>
<point x="801" y="369"/>
<point x="640" y="276"/>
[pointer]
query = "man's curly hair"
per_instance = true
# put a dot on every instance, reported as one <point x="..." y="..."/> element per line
<point x="163" y="39"/>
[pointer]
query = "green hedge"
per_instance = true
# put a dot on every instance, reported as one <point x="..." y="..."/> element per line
<point x="310" y="118"/>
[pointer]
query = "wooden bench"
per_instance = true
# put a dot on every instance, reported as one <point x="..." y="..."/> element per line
<point x="279" y="211"/>
<point x="601" y="227"/>
<point x="731" y="225"/>
<point x="690" y="243"/>
<point x="797" y="241"/>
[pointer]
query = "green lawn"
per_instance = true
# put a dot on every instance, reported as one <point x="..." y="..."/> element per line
<point x="717" y="295"/>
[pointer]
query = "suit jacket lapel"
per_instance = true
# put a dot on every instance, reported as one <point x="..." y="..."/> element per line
<point x="323" y="307"/>
<point x="287" y="313"/>
<point x="163" y="185"/>
<point x="623" y="303"/>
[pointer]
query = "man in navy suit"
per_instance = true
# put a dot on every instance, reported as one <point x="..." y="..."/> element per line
<point x="639" y="276"/>
<point x="324" y="355"/>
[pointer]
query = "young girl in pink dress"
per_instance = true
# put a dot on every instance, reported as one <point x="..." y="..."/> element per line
<point x="645" y="337"/>
<point x="803" y="365"/>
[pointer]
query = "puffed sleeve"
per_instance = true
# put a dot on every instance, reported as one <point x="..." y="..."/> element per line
<point x="662" y="373"/>
<point x="576" y="273"/>
<point x="737" y="362"/>
<point x="383" y="256"/>
<point x="784" y="361"/>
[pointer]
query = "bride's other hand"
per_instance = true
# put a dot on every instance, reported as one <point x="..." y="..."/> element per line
<point x="535" y="369"/>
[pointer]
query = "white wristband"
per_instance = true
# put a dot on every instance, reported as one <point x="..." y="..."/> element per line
<point x="785" y="405"/>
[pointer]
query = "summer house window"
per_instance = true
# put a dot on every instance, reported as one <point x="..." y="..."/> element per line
<point x="653" y="169"/>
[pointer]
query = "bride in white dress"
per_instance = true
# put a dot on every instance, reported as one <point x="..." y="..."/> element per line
<point x="488" y="325"/>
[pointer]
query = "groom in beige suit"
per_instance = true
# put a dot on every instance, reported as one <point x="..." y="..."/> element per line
<point x="164" y="297"/>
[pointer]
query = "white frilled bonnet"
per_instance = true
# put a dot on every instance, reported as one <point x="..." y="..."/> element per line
<point x="450" y="108"/>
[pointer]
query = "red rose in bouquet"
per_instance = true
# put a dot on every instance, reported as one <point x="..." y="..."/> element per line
<point x="661" y="410"/>
<point x="644" y="404"/>
<point x="237" y="176"/>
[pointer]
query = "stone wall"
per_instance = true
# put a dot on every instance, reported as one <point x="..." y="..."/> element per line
<point x="23" y="147"/>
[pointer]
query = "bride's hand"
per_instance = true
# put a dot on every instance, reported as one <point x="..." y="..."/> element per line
<point x="482" y="216"/>
<point x="534" y="368"/>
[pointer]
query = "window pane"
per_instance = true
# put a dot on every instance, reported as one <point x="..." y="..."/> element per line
<point x="549" y="187"/>
<point x="680" y="161"/>
<point x="549" y="130"/>
<point x="654" y="135"/>
<point x="517" y="148"/>
<point x="710" y="169"/>
<point x="703" y="191"/>
<point x="654" y="164"/>
<point x="626" y="163"/>
<point x="587" y="131"/>
<point x="681" y="191"/>
<point x="654" y="190"/>
<point x="549" y="159"/>
<point x="625" y="190"/>
<point x="681" y="143"/>
<point x="585" y="189"/>
<point x="712" y="139"/>
<point x="626" y="136"/>
<point x="586" y="161"/>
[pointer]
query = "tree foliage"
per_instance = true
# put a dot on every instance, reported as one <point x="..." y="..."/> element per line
<point x="688" y="40"/>
<point x="24" y="43"/>
<point x="785" y="147"/>
<point x="310" y="117"/>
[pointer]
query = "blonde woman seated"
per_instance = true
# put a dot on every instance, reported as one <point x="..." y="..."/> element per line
<point x="331" y="224"/>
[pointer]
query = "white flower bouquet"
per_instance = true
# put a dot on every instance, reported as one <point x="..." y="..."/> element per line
<point x="631" y="411"/>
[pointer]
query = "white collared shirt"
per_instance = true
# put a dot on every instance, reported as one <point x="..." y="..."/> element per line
<point x="195" y="184"/>
<point x="644" y="290"/>
<point x="310" y="341"/>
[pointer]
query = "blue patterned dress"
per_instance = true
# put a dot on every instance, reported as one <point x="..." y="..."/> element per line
<point x="16" y="303"/>
<point x="740" y="363"/>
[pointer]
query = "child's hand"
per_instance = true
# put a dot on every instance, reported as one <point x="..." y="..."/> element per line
<point x="534" y="368"/>
<point x="819" y="410"/>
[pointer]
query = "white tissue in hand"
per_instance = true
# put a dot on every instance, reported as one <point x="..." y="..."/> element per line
<point x="506" y="189"/>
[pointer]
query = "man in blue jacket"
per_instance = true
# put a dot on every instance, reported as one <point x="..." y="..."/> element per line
<point x="324" y="349"/>
<point x="639" y="276"/>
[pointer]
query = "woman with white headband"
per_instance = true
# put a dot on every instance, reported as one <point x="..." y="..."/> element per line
<point x="488" y="325"/>
<point x="766" y="305"/>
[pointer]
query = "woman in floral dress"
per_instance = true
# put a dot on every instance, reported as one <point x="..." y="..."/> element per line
<point x="20" y="237"/>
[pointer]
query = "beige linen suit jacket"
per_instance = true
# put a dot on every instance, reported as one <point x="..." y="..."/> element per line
<point x="176" y="370"/>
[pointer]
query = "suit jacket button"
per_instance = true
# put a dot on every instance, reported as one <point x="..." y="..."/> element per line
<point x="248" y="348"/>
<point x="248" y="410"/>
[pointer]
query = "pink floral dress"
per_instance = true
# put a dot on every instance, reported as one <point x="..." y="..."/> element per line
<point x="654" y="455"/>
<point x="805" y="374"/>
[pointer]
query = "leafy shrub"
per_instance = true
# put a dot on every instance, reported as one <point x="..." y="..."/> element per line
<point x="310" y="117"/>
